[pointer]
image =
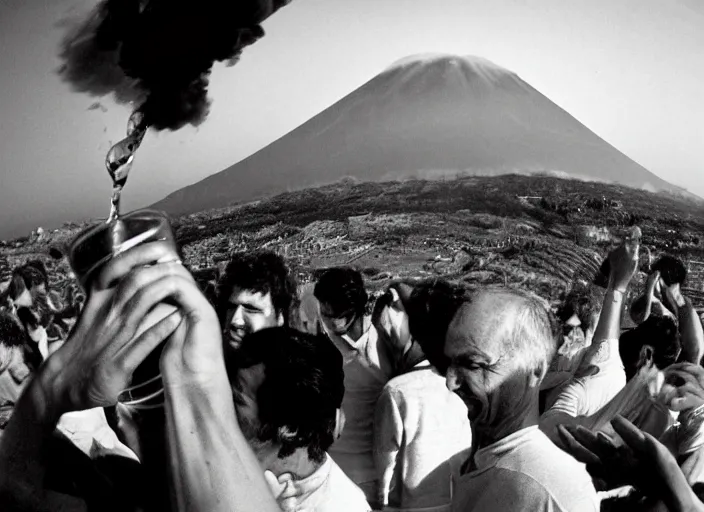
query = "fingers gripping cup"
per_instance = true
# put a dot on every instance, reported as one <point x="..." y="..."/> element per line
<point x="88" y="254"/>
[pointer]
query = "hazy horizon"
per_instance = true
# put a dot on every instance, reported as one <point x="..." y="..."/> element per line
<point x="630" y="72"/>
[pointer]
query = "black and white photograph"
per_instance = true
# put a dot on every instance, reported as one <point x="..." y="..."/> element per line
<point x="351" y="255"/>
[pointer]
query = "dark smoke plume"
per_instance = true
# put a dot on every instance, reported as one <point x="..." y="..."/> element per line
<point x="158" y="54"/>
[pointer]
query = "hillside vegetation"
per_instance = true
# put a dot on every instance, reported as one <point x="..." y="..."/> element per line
<point x="538" y="232"/>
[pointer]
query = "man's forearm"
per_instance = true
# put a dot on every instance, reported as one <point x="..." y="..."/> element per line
<point x="212" y="466"/>
<point x="609" y="325"/>
<point x="24" y="443"/>
<point x="633" y="402"/>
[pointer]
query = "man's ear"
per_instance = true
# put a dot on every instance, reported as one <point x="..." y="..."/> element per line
<point x="280" y="320"/>
<point x="339" y="423"/>
<point x="537" y="375"/>
<point x="646" y="357"/>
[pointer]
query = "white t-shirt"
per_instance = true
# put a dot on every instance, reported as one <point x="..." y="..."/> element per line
<point x="367" y="370"/>
<point x="422" y="437"/>
<point x="587" y="395"/>
<point x="326" y="490"/>
<point x="525" y="472"/>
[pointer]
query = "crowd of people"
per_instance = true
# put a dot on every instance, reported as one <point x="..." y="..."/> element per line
<point x="277" y="396"/>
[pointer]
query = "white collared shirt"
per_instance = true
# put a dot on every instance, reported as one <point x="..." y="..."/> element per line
<point x="367" y="370"/>
<point x="328" y="489"/>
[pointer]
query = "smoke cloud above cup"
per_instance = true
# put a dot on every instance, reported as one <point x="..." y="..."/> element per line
<point x="158" y="54"/>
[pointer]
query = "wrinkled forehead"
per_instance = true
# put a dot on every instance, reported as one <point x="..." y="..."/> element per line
<point x="250" y="298"/>
<point x="481" y="325"/>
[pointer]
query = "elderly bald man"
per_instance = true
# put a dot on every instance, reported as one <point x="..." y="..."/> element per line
<point x="499" y="345"/>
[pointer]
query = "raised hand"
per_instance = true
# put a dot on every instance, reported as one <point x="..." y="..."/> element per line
<point x="193" y="355"/>
<point x="641" y="461"/>
<point x="683" y="389"/>
<point x="623" y="261"/>
<point x="652" y="285"/>
<point x="673" y="298"/>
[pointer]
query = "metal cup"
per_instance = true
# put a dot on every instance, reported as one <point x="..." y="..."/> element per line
<point x="91" y="250"/>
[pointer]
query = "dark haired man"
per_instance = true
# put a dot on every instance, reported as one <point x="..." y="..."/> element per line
<point x="288" y="389"/>
<point x="368" y="366"/>
<point x="257" y="290"/>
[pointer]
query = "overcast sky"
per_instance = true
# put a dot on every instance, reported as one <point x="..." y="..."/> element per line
<point x="631" y="70"/>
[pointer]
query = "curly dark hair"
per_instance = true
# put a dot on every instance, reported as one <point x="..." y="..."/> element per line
<point x="262" y="272"/>
<point x="672" y="270"/>
<point x="302" y="389"/>
<point x="660" y="333"/>
<point x="342" y="288"/>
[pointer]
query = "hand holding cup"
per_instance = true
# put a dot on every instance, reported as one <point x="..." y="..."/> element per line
<point x="96" y="363"/>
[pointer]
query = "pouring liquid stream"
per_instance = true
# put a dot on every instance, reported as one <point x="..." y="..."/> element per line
<point x="119" y="162"/>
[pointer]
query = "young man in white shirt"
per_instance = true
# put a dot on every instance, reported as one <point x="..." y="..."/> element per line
<point x="368" y="365"/>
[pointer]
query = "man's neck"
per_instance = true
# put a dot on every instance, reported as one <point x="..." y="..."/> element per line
<point x="298" y="465"/>
<point x="524" y="417"/>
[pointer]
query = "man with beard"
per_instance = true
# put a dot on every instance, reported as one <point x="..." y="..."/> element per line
<point x="500" y="344"/>
<point x="256" y="291"/>
<point x="288" y="389"/>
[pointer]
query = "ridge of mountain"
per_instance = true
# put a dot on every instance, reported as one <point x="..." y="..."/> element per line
<point x="430" y="116"/>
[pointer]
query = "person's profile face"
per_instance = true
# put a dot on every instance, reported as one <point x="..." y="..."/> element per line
<point x="488" y="381"/>
<point x="249" y="312"/>
<point x="335" y="322"/>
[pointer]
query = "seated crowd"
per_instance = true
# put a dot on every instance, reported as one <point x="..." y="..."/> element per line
<point x="278" y="396"/>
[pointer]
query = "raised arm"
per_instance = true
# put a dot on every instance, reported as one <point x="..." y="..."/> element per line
<point x="624" y="263"/>
<point x="634" y="402"/>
